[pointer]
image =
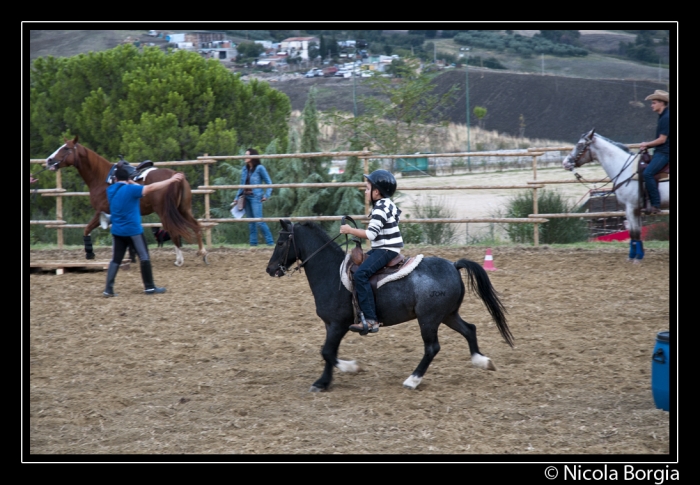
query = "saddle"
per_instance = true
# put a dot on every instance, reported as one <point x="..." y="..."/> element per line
<point x="392" y="271"/>
<point x="662" y="175"/>
<point x="396" y="269"/>
<point x="644" y="161"/>
<point x="135" y="173"/>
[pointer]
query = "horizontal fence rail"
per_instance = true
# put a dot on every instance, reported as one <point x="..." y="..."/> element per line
<point x="206" y="189"/>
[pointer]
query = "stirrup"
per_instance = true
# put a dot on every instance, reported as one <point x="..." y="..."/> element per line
<point x="365" y="327"/>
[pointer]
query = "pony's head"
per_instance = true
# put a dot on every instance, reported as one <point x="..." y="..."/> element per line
<point x="66" y="155"/>
<point x="285" y="253"/>
<point x="581" y="154"/>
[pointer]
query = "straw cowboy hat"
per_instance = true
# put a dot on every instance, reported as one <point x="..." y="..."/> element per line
<point x="658" y="94"/>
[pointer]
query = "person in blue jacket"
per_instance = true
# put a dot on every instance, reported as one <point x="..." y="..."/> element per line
<point x="255" y="174"/>
<point x="127" y="232"/>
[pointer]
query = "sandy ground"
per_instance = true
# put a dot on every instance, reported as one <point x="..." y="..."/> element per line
<point x="222" y="364"/>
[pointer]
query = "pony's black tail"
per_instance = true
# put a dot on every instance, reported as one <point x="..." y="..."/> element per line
<point x="174" y="222"/>
<point x="480" y="285"/>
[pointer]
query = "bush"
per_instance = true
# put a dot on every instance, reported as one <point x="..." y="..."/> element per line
<point x="658" y="230"/>
<point x="556" y="231"/>
<point x="434" y="233"/>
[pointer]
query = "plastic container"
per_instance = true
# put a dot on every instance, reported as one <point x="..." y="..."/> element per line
<point x="660" y="371"/>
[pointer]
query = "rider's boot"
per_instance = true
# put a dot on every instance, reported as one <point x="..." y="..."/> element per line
<point x="111" y="274"/>
<point x="365" y="326"/>
<point x="147" y="276"/>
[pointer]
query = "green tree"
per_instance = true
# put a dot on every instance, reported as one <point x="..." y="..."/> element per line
<point x="402" y="119"/>
<point x="248" y="51"/>
<point x="147" y="105"/>
<point x="480" y="113"/>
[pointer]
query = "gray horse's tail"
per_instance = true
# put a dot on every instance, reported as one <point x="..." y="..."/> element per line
<point x="480" y="285"/>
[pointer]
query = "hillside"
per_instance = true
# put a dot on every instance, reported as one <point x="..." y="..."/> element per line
<point x="553" y="107"/>
<point x="559" y="98"/>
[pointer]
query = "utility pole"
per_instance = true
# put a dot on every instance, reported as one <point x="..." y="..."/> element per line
<point x="354" y="84"/>
<point x="466" y="86"/>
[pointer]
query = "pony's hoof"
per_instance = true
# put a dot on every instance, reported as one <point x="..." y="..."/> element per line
<point x="412" y="382"/>
<point x="316" y="389"/>
<point x="89" y="255"/>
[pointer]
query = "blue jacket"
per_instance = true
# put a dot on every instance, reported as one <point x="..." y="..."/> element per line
<point x="259" y="176"/>
<point x="124" y="206"/>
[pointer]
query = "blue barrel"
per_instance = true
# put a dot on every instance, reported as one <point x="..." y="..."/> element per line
<point x="660" y="371"/>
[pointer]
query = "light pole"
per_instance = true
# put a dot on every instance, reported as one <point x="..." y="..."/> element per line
<point x="466" y="85"/>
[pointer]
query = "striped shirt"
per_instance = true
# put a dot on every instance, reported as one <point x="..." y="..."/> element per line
<point x="383" y="227"/>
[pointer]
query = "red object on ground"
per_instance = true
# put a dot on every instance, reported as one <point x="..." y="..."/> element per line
<point x="488" y="261"/>
<point x="620" y="236"/>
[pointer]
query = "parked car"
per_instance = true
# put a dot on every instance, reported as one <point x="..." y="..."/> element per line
<point x="311" y="73"/>
<point x="329" y="71"/>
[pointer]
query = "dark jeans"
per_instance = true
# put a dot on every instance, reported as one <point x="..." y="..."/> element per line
<point x="658" y="161"/>
<point x="121" y="243"/>
<point x="376" y="260"/>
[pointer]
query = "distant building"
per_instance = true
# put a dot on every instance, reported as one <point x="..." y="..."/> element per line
<point x="298" y="45"/>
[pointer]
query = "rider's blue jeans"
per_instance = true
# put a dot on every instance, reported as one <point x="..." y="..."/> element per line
<point x="658" y="161"/>
<point x="254" y="209"/>
<point x="376" y="260"/>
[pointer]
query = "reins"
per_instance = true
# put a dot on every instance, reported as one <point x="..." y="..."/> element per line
<point x="627" y="163"/>
<point x="296" y="252"/>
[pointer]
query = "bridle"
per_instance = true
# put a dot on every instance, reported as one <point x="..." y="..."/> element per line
<point x="291" y="242"/>
<point x="50" y="163"/>
<point x="587" y="145"/>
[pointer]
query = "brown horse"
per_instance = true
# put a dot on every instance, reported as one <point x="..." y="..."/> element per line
<point x="172" y="204"/>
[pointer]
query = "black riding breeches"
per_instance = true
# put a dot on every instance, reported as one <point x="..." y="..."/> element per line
<point x="121" y="243"/>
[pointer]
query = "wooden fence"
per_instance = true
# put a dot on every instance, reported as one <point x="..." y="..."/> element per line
<point x="206" y="189"/>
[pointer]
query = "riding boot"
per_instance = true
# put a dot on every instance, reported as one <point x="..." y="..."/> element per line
<point x="111" y="274"/>
<point x="365" y="326"/>
<point x="147" y="276"/>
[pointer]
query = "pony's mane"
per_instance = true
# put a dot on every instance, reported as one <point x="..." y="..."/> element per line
<point x="616" y="143"/>
<point x="317" y="229"/>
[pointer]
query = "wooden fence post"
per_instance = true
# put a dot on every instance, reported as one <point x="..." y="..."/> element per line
<point x="59" y="211"/>
<point x="206" y="203"/>
<point x="536" y="235"/>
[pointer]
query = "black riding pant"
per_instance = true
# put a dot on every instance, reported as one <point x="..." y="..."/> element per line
<point x="121" y="243"/>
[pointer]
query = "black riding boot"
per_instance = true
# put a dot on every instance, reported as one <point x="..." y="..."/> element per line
<point x="111" y="274"/>
<point x="147" y="275"/>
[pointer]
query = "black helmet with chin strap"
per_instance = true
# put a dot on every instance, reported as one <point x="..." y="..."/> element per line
<point x="384" y="181"/>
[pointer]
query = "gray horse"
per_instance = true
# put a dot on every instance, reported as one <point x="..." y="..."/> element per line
<point x="432" y="293"/>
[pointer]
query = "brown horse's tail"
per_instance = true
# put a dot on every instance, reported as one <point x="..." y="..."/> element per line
<point x="176" y="219"/>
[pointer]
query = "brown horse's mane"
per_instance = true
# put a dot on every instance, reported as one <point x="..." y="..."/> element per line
<point x="95" y="173"/>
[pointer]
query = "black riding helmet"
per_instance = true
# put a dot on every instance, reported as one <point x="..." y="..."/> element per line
<point x="384" y="181"/>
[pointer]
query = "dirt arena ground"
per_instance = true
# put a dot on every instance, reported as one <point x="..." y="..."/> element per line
<point x="223" y="362"/>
